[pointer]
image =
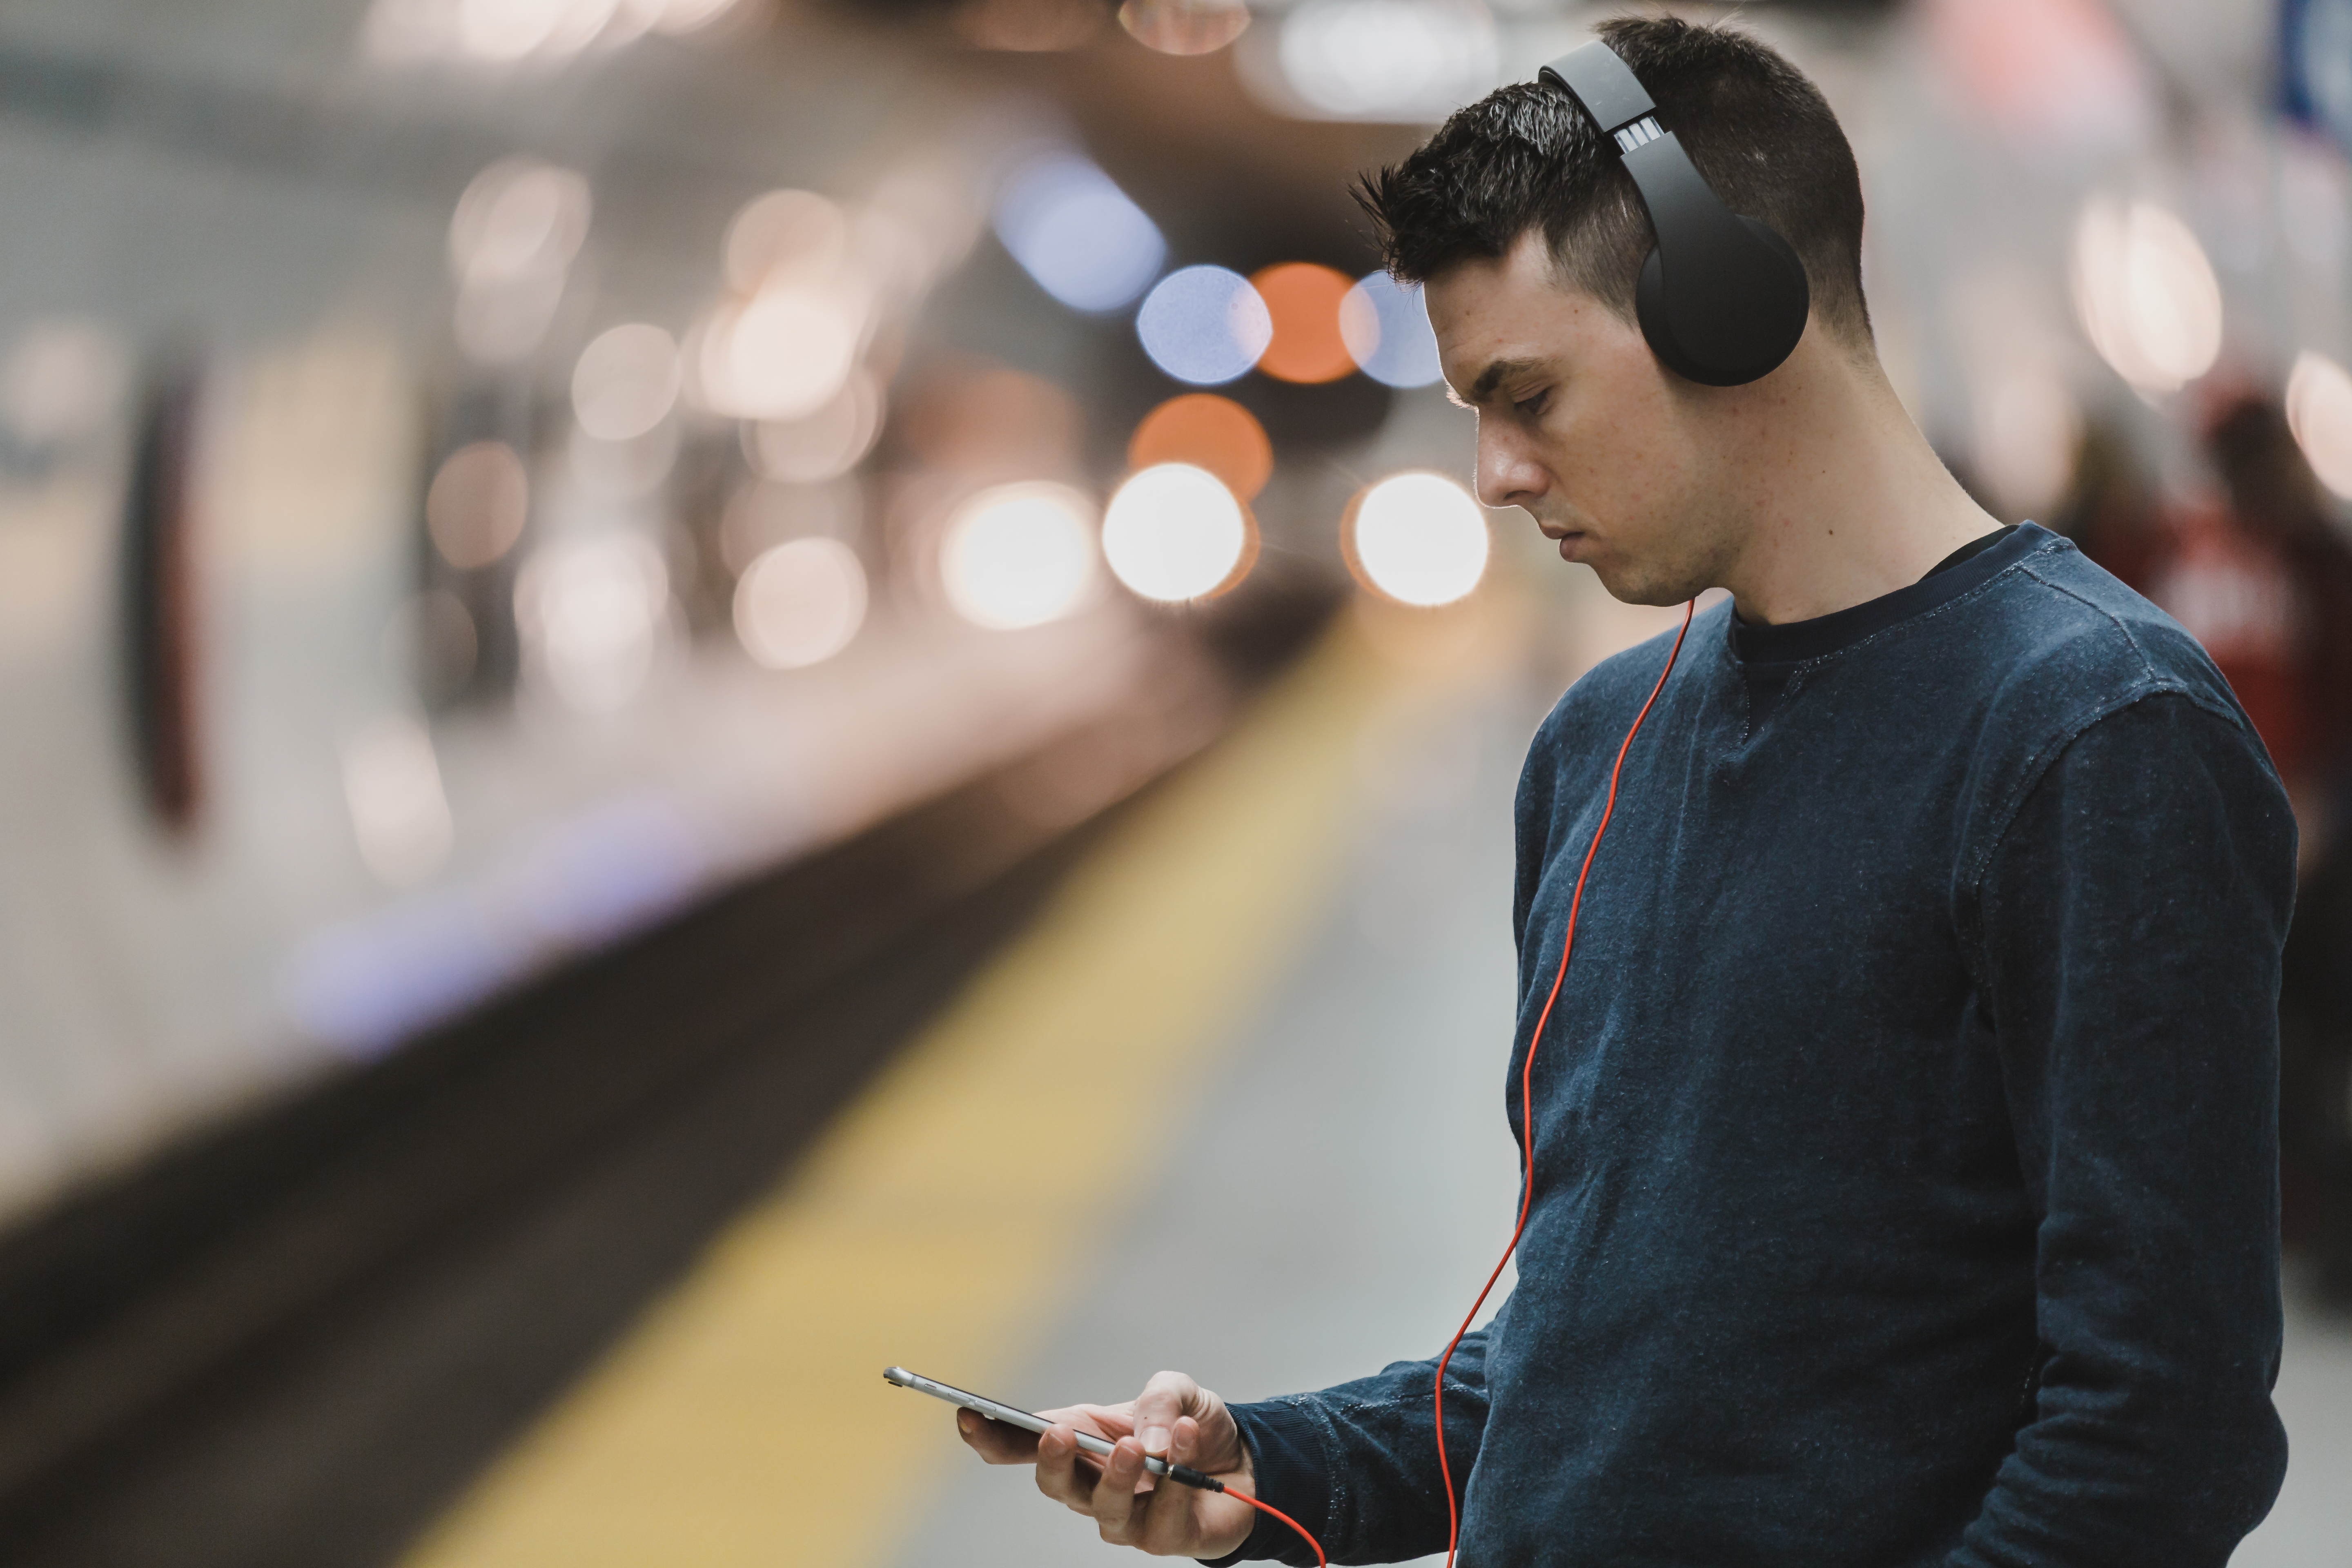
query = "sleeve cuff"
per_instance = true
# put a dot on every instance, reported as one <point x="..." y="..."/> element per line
<point x="1286" y="1451"/>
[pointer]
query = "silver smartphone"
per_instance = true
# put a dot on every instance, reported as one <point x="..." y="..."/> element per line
<point x="1012" y="1415"/>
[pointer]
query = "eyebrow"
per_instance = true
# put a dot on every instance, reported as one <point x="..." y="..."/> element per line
<point x="1492" y="377"/>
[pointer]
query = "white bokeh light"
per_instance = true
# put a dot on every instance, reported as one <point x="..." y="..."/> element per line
<point x="784" y="353"/>
<point x="799" y="603"/>
<point x="626" y="381"/>
<point x="519" y="217"/>
<point x="400" y="815"/>
<point x="511" y="243"/>
<point x="2319" y="411"/>
<point x="1175" y="532"/>
<point x="2146" y="294"/>
<point x="785" y="232"/>
<point x="1019" y="555"/>
<point x="593" y="613"/>
<point x="1391" y="60"/>
<point x="1420" y="538"/>
<point x="505" y="33"/>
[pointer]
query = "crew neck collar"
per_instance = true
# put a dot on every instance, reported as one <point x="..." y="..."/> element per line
<point x="1792" y="642"/>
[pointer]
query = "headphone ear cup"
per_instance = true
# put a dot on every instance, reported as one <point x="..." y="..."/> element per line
<point x="1777" y="300"/>
<point x="1650" y="310"/>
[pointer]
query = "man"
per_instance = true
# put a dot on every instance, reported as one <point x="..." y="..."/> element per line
<point x="1905" y="1182"/>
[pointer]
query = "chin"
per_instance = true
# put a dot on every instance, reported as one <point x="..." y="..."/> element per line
<point x="1630" y="587"/>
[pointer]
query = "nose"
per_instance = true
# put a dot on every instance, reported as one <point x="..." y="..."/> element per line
<point x="1507" y="475"/>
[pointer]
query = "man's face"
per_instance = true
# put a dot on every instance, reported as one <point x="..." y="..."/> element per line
<point x="1619" y="460"/>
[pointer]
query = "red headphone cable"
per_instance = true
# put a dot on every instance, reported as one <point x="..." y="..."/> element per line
<point x="1193" y="1478"/>
<point x="1526" y="1101"/>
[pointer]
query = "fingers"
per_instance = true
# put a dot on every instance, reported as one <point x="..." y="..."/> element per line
<point x="1184" y="1445"/>
<point x="1130" y="1505"/>
<point x="1168" y="1398"/>
<point x="1122" y="1499"/>
<point x="993" y="1440"/>
<point x="1063" y="1474"/>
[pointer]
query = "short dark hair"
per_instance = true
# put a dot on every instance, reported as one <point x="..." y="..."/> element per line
<point x="1525" y="157"/>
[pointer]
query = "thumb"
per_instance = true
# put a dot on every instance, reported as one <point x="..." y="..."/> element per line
<point x="1167" y="1396"/>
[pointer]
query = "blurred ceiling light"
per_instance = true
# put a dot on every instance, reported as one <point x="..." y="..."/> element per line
<point x="1019" y="555"/>
<point x="784" y="353"/>
<point x="592" y="613"/>
<point x="1077" y="233"/>
<point x="799" y="603"/>
<point x="392" y="783"/>
<point x="820" y="446"/>
<point x="63" y="380"/>
<point x="761" y="516"/>
<point x="515" y="232"/>
<point x="1184" y="26"/>
<point x="1027" y="27"/>
<point x="1304" y="301"/>
<point x="518" y="218"/>
<point x="1204" y="325"/>
<point x="631" y="20"/>
<point x="2050" y="74"/>
<point x="788" y="232"/>
<point x="689" y="15"/>
<point x="1420" y="538"/>
<point x="2319" y="411"/>
<point x="626" y="381"/>
<point x="513" y="32"/>
<point x="1175" y="532"/>
<point x="1386" y="328"/>
<point x="501" y="31"/>
<point x="1208" y="432"/>
<point x="2026" y="428"/>
<point x="2146" y="295"/>
<point x="1391" y="60"/>
<point x="477" y="505"/>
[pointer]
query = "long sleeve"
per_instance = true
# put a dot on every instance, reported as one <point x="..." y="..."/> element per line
<point x="1357" y="1464"/>
<point x="2131" y="919"/>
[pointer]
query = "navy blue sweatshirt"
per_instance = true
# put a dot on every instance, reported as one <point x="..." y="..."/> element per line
<point x="1905" y="1181"/>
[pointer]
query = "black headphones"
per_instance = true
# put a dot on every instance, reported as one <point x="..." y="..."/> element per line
<point x="1722" y="298"/>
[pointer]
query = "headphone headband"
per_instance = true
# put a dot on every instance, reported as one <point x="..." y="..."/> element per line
<point x="1722" y="299"/>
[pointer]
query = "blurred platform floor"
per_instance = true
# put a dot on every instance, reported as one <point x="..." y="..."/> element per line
<point x="1230" y="1107"/>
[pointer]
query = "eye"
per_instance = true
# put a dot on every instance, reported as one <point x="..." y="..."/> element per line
<point x="1530" y="407"/>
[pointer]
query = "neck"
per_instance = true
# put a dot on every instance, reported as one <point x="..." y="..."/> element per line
<point x="1845" y="500"/>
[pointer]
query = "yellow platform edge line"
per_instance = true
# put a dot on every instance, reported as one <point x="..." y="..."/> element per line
<point x="744" y="1421"/>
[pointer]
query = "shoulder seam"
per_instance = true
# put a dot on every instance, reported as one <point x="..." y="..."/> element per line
<point x="2146" y="665"/>
<point x="2037" y="764"/>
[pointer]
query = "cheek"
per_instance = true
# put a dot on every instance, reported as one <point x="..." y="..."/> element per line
<point x="1615" y="456"/>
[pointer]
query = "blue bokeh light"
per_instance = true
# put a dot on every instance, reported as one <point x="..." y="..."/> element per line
<point x="1204" y="325"/>
<point x="1077" y="233"/>
<point x="1386" y="326"/>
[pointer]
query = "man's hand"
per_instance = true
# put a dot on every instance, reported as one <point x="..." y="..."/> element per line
<point x="1173" y="1418"/>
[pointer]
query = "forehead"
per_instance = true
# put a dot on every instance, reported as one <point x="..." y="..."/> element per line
<point x="1495" y="316"/>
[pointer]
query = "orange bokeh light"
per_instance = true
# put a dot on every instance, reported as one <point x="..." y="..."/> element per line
<point x="1303" y="300"/>
<point x="1208" y="432"/>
